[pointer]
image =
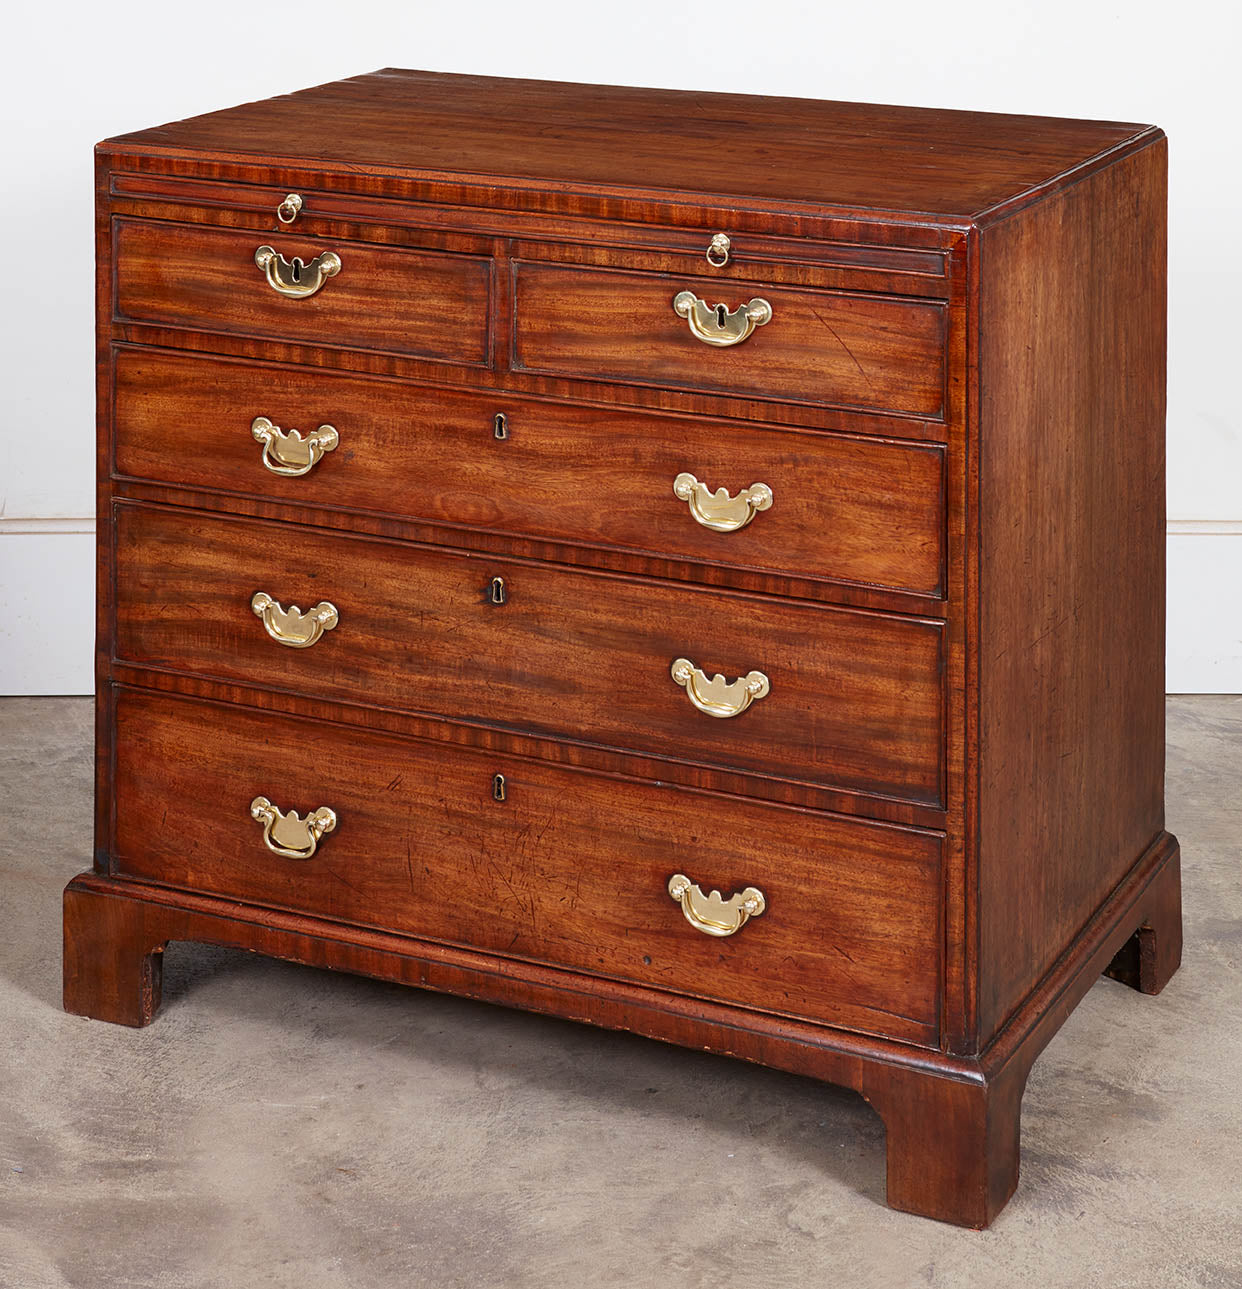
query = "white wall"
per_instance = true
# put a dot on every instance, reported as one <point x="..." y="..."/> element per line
<point x="73" y="73"/>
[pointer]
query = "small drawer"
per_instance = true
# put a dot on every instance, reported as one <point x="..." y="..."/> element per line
<point x="347" y="294"/>
<point x="819" y="506"/>
<point x="882" y="353"/>
<point x="547" y="863"/>
<point x="828" y="696"/>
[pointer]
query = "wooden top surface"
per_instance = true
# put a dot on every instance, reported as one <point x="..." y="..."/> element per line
<point x="905" y="160"/>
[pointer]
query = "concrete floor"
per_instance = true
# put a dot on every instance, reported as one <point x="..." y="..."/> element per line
<point x="280" y="1126"/>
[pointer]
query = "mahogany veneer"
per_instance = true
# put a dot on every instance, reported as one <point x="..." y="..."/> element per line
<point x="570" y="654"/>
<point x="853" y="509"/>
<point x="418" y="829"/>
<point x="939" y="808"/>
<point x="831" y="347"/>
<point x="192" y="277"/>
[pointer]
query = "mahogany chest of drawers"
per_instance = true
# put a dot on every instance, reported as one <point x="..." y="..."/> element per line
<point x="688" y="563"/>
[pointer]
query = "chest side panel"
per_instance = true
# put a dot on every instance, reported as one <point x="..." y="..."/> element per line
<point x="1071" y="666"/>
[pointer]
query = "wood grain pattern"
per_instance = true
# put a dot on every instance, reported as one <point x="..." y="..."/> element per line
<point x="1003" y="720"/>
<point x="665" y="567"/>
<point x="1072" y="344"/>
<point x="621" y="763"/>
<point x="753" y="258"/>
<point x="499" y="381"/>
<point x="846" y="509"/>
<point x="405" y="302"/>
<point x="855" y="155"/>
<point x="843" y="350"/>
<point x="571" y="868"/>
<point x="855" y="702"/>
<point x="490" y="196"/>
<point x="803" y="260"/>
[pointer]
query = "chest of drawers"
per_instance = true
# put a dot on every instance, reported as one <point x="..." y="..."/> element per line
<point x="688" y="563"/>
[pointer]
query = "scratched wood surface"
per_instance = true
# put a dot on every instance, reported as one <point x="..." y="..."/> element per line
<point x="422" y="846"/>
<point x="844" y="350"/>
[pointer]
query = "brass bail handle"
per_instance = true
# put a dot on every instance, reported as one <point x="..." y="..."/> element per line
<point x="291" y="626"/>
<point x="293" y="278"/>
<point x="711" y="913"/>
<point x="717" y="510"/>
<point x="289" y="452"/>
<point x="716" y="324"/>
<point x="286" y="833"/>
<point x="717" y="696"/>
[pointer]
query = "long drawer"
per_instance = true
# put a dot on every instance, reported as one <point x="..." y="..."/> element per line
<point x="569" y="868"/>
<point x="418" y="303"/>
<point x="848" y="699"/>
<point x="826" y="506"/>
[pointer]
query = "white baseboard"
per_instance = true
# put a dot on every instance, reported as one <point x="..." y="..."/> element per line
<point x="47" y="597"/>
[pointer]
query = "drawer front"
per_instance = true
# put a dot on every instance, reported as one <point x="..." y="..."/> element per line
<point x="867" y="351"/>
<point x="425" y="304"/>
<point x="571" y="868"/>
<point x="854" y="701"/>
<point x="854" y="510"/>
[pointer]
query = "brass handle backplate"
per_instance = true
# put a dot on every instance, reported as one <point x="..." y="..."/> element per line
<point x="287" y="452"/>
<point x="289" y="835"/>
<point x="291" y="626"/>
<point x="712" y="913"/>
<point x="717" y="510"/>
<point x="714" y="324"/>
<point x="292" y="277"/>
<point x="719" y="697"/>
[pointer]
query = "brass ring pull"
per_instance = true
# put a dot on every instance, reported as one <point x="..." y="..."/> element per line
<point x="712" y="914"/>
<point x="292" y="277"/>
<point x="717" y="325"/>
<point x="291" y="626"/>
<point x="718" y="249"/>
<point x="719" y="697"/>
<point x="289" y="835"/>
<point x="286" y="452"/>
<point x="289" y="209"/>
<point x="717" y="510"/>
